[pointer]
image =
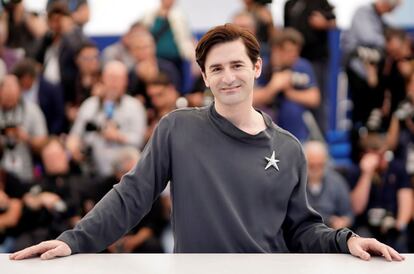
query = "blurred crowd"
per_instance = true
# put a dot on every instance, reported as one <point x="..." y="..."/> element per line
<point x="74" y="119"/>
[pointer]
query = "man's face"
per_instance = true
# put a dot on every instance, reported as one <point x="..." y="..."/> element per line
<point x="54" y="159"/>
<point x="88" y="60"/>
<point x="55" y="23"/>
<point x="230" y="74"/>
<point x="142" y="47"/>
<point x="316" y="165"/>
<point x="285" y="55"/>
<point x="161" y="96"/>
<point x="9" y="93"/>
<point x="115" y="82"/>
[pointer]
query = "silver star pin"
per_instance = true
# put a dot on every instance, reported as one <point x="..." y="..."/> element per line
<point x="272" y="161"/>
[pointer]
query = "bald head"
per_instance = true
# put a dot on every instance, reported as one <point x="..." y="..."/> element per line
<point x="9" y="92"/>
<point x="115" y="79"/>
<point x="317" y="156"/>
<point x="142" y="45"/>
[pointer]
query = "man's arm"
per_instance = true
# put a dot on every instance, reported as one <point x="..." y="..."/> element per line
<point x="120" y="209"/>
<point x="305" y="232"/>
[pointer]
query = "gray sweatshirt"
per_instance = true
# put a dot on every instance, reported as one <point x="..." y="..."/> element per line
<point x="224" y="199"/>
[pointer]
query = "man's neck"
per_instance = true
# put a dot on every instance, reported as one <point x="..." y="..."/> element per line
<point x="243" y="116"/>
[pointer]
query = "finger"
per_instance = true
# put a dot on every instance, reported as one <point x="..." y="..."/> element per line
<point x="29" y="252"/>
<point x="395" y="255"/>
<point x="361" y="253"/>
<point x="25" y="253"/>
<point x="385" y="252"/>
<point x="50" y="254"/>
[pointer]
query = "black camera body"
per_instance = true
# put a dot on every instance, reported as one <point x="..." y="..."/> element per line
<point x="92" y="127"/>
<point x="263" y="2"/>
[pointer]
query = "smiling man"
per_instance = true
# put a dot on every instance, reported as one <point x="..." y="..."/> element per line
<point x="226" y="197"/>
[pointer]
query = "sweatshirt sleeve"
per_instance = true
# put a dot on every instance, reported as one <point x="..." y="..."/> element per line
<point x="303" y="227"/>
<point x="128" y="202"/>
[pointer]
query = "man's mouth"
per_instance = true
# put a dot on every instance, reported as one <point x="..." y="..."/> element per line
<point x="230" y="89"/>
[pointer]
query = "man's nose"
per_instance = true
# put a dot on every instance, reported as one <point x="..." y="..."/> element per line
<point x="228" y="76"/>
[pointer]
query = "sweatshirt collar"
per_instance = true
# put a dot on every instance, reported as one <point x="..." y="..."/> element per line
<point x="231" y="130"/>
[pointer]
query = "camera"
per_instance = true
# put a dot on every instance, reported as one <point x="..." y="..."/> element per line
<point x="374" y="121"/>
<point x="92" y="127"/>
<point x="300" y="79"/>
<point x="405" y="110"/>
<point x="369" y="55"/>
<point x="9" y="136"/>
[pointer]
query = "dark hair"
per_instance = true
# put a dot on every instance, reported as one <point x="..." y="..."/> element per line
<point x="85" y="45"/>
<point x="287" y="35"/>
<point x="391" y="32"/>
<point x="24" y="67"/>
<point x="226" y="33"/>
<point x="162" y="79"/>
<point x="58" y="8"/>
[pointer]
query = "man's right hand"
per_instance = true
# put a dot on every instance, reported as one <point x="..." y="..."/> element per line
<point x="47" y="250"/>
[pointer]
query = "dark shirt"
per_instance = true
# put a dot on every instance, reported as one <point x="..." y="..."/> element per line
<point x="297" y="13"/>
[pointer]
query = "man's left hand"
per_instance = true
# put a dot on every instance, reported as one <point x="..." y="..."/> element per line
<point x="365" y="247"/>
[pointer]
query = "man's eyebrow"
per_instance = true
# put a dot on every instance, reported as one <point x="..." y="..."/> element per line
<point x="212" y="66"/>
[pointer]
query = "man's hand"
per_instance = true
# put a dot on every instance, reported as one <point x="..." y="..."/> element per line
<point x="364" y="247"/>
<point x="47" y="250"/>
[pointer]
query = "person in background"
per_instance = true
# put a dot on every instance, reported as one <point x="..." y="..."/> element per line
<point x="36" y="89"/>
<point x="147" y="66"/>
<point x="363" y="45"/>
<point x="381" y="194"/>
<point x="87" y="79"/>
<point x="328" y="193"/>
<point x="163" y="96"/>
<point x="107" y="122"/>
<point x="313" y="19"/>
<point x="120" y="50"/>
<point x="292" y="87"/>
<point x="172" y="36"/>
<point x="23" y="28"/>
<point x="23" y="130"/>
<point x="51" y="204"/>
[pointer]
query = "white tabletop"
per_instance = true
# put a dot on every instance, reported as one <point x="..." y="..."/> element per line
<point x="206" y="264"/>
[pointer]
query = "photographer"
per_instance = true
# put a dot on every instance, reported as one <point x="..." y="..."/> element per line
<point x="364" y="46"/>
<point x="292" y="83"/>
<point x="23" y="130"/>
<point x="382" y="196"/>
<point x="107" y="122"/>
<point x="400" y="137"/>
<point x="23" y="28"/>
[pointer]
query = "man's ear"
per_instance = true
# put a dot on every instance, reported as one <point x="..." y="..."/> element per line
<point x="205" y="79"/>
<point x="258" y="68"/>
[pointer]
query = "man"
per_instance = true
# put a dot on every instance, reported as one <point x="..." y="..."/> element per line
<point x="382" y="196"/>
<point x="58" y="47"/>
<point x="23" y="130"/>
<point x="313" y="19"/>
<point x="38" y="90"/>
<point x="328" y="193"/>
<point x="107" y="122"/>
<point x="363" y="46"/>
<point x="240" y="189"/>
<point x="292" y="84"/>
<point x="147" y="66"/>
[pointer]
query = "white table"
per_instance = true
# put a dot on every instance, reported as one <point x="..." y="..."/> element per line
<point x="206" y="264"/>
